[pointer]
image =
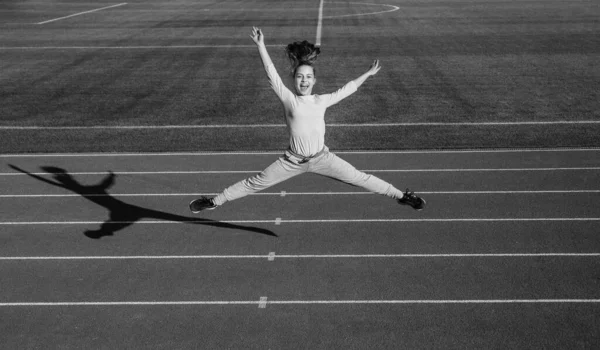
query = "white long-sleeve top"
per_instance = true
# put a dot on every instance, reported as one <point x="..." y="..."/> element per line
<point x="305" y="115"/>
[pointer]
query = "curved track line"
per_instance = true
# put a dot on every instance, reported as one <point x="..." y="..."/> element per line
<point x="394" y="8"/>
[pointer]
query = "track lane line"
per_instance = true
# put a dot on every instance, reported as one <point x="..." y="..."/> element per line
<point x="254" y="126"/>
<point x="279" y="194"/>
<point x="271" y="257"/>
<point x="247" y="153"/>
<point x="282" y="221"/>
<point x="301" y="302"/>
<point x="185" y="172"/>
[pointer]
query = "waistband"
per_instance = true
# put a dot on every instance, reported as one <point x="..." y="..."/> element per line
<point x="299" y="159"/>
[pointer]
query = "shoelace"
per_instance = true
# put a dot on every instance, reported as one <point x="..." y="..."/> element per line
<point x="410" y="195"/>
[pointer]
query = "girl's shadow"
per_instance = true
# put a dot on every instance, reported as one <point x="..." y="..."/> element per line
<point x="121" y="214"/>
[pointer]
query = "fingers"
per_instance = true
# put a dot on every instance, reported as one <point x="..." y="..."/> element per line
<point x="257" y="35"/>
<point x="375" y="67"/>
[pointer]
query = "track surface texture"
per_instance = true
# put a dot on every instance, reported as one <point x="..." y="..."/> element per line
<point x="506" y="254"/>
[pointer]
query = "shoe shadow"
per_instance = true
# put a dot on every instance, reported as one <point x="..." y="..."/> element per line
<point x="121" y="214"/>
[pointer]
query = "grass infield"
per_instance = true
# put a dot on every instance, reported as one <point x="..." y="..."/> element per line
<point x="443" y="62"/>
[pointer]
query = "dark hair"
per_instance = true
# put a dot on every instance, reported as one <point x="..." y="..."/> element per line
<point x="302" y="53"/>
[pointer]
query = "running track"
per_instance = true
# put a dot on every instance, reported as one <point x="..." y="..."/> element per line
<point x="506" y="255"/>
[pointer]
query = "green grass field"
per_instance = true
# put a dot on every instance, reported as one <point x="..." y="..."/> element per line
<point x="443" y="62"/>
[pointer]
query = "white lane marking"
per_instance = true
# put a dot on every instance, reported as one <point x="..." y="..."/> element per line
<point x="262" y="303"/>
<point x="278" y="221"/>
<point x="284" y="193"/>
<point x="141" y="47"/>
<point x="319" y="25"/>
<point x="466" y="301"/>
<point x="131" y="303"/>
<point x="254" y="126"/>
<point x="82" y="13"/>
<point x="271" y="256"/>
<point x="394" y="8"/>
<point x="309" y="221"/>
<point x="251" y="153"/>
<point x="195" y="172"/>
<point x="303" y="302"/>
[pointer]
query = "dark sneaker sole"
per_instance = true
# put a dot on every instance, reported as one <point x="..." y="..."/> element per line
<point x="417" y="209"/>
<point x="422" y="207"/>
<point x="197" y="211"/>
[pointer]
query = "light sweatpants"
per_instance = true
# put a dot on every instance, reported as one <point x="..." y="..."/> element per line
<point x="327" y="164"/>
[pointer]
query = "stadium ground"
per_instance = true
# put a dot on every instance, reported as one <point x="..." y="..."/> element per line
<point x="487" y="109"/>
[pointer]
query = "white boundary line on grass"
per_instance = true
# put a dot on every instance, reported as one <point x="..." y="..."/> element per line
<point x="252" y="153"/>
<point x="285" y="193"/>
<point x="82" y="13"/>
<point x="254" y="126"/>
<point x="394" y="8"/>
<point x="272" y="256"/>
<point x="280" y="221"/>
<point x="263" y="301"/>
<point x="319" y="25"/>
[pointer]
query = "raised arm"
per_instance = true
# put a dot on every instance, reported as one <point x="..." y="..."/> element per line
<point x="372" y="71"/>
<point x="351" y="86"/>
<point x="259" y="39"/>
<point x="277" y="85"/>
<point x="41" y="178"/>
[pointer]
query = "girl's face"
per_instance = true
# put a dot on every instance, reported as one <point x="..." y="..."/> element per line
<point x="304" y="80"/>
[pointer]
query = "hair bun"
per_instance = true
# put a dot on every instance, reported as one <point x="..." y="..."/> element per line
<point x="302" y="53"/>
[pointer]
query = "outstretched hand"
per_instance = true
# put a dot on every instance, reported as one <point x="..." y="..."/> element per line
<point x="257" y="36"/>
<point x="375" y="67"/>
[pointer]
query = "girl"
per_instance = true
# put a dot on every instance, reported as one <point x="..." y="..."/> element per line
<point x="304" y="116"/>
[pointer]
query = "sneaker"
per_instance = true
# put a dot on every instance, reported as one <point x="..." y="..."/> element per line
<point x="202" y="203"/>
<point x="411" y="199"/>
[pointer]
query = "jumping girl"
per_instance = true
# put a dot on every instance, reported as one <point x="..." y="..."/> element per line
<point x="304" y="116"/>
